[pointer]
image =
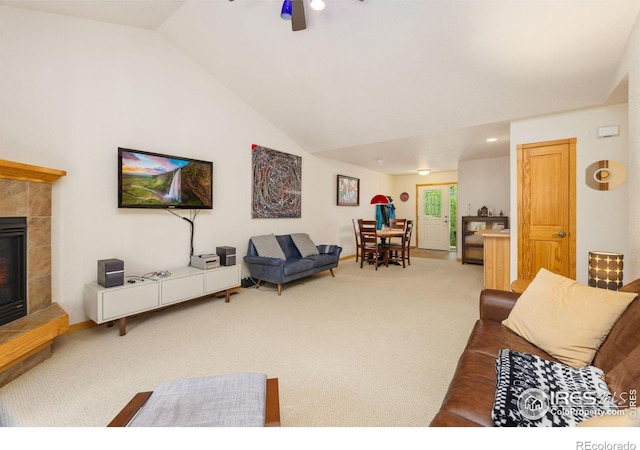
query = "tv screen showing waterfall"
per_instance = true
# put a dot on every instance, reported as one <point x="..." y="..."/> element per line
<point x="153" y="180"/>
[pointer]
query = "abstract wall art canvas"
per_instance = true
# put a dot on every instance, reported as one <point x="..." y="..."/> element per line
<point x="277" y="184"/>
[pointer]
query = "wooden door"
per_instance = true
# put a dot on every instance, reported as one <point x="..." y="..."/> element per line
<point x="547" y="208"/>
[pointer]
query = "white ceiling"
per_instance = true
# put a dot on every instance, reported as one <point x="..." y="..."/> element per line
<point x="411" y="83"/>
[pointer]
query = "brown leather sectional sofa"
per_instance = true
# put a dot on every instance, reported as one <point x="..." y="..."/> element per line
<point x="471" y="394"/>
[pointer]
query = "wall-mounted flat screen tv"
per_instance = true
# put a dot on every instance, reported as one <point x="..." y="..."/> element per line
<point x="154" y="180"/>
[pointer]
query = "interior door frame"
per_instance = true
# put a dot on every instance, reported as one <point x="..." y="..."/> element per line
<point x="416" y="226"/>
<point x="523" y="200"/>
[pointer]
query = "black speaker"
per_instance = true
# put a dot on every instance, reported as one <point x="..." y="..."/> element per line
<point x="110" y="272"/>
<point x="227" y="255"/>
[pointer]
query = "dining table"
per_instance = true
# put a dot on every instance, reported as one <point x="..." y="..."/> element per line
<point x="388" y="233"/>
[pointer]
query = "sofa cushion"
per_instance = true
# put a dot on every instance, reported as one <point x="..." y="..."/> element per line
<point x="490" y="337"/>
<point x="297" y="265"/>
<point x="305" y="245"/>
<point x="322" y="260"/>
<point x="267" y="246"/>
<point x="534" y="392"/>
<point x="566" y="319"/>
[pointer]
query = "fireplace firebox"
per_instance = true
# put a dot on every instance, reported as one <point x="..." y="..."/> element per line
<point x="13" y="268"/>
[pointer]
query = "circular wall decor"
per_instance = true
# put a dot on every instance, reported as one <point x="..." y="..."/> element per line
<point x="404" y="196"/>
<point x="605" y="175"/>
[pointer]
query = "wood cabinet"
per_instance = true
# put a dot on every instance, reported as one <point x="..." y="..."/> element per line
<point x="497" y="249"/>
<point x="473" y="244"/>
<point x="105" y="305"/>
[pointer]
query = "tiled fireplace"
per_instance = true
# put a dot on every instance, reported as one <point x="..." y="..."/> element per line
<point x="25" y="196"/>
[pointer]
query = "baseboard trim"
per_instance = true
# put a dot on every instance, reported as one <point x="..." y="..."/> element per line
<point x="81" y="326"/>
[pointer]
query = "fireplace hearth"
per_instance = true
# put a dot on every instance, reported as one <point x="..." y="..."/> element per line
<point x="29" y="318"/>
<point x="13" y="268"/>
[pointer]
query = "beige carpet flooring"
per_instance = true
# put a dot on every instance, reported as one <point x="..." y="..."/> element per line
<point x="364" y="349"/>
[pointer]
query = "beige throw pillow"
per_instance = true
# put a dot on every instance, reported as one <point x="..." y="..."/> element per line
<point x="567" y="320"/>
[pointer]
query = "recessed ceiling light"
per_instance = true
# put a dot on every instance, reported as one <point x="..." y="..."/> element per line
<point x="318" y="5"/>
<point x="424" y="171"/>
<point x="492" y="139"/>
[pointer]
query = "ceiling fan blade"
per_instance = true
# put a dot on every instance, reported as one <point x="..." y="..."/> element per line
<point x="298" y="20"/>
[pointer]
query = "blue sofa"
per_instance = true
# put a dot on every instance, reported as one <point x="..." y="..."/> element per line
<point x="295" y="266"/>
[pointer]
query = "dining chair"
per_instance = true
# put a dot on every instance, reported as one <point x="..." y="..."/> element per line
<point x="399" y="252"/>
<point x="397" y="224"/>
<point x="408" y="232"/>
<point x="394" y="244"/>
<point x="356" y="231"/>
<point x="370" y="248"/>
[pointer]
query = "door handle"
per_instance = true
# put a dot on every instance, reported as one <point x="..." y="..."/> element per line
<point x="560" y="235"/>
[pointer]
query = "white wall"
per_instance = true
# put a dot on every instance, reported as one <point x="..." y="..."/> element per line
<point x="483" y="182"/>
<point x="601" y="216"/>
<point x="72" y="91"/>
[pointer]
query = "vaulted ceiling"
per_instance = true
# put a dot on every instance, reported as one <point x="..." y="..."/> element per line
<point x="393" y="85"/>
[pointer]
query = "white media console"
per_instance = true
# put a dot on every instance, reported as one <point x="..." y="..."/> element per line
<point x="106" y="305"/>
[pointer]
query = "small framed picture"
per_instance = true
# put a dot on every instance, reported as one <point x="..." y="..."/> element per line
<point x="348" y="191"/>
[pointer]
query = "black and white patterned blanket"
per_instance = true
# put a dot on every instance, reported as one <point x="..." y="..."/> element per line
<point x="534" y="392"/>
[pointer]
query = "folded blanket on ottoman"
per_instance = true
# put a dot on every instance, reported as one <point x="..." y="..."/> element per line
<point x="237" y="400"/>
